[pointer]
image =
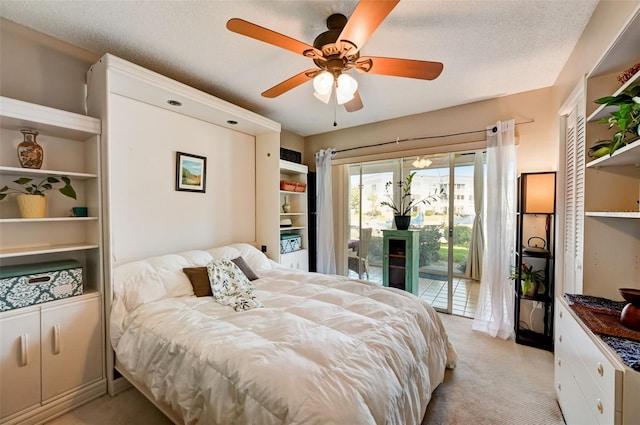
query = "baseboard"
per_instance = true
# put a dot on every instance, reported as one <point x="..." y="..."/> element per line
<point x="58" y="406"/>
<point x="117" y="386"/>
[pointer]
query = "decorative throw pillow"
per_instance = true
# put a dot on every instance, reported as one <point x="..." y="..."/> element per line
<point x="199" y="278"/>
<point x="245" y="268"/>
<point x="230" y="286"/>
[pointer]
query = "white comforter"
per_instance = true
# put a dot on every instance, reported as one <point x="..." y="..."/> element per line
<point x="323" y="350"/>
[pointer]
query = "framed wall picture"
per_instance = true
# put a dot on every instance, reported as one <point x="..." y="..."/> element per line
<point x="191" y="172"/>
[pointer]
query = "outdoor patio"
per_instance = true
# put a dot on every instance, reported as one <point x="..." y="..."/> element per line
<point x="434" y="291"/>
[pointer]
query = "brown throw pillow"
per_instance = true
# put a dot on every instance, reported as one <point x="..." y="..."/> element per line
<point x="199" y="278"/>
<point x="242" y="265"/>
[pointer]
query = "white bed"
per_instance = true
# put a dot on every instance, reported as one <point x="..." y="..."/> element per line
<point x="323" y="349"/>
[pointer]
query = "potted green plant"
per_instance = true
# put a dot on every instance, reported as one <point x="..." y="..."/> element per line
<point x="625" y="119"/>
<point x="31" y="197"/>
<point x="532" y="280"/>
<point x="402" y="209"/>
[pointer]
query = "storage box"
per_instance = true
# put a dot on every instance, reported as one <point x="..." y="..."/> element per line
<point x="290" y="242"/>
<point x="287" y="185"/>
<point x="291" y="156"/>
<point x="28" y="284"/>
<point x="300" y="187"/>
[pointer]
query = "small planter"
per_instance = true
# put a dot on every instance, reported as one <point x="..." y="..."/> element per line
<point x="32" y="206"/>
<point x="402" y="221"/>
<point x="531" y="288"/>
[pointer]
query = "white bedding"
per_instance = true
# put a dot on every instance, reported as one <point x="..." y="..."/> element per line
<point x="323" y="350"/>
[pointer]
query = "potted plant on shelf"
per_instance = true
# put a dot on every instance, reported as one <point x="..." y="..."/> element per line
<point x="402" y="209"/>
<point x="625" y="119"/>
<point x="532" y="280"/>
<point x="30" y="196"/>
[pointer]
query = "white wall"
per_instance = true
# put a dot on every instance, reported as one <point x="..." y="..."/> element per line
<point x="148" y="216"/>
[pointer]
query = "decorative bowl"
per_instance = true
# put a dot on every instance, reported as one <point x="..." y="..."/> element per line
<point x="630" y="295"/>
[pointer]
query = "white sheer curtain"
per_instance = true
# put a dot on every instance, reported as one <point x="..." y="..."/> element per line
<point x="326" y="251"/>
<point x="476" y="244"/>
<point x="494" y="314"/>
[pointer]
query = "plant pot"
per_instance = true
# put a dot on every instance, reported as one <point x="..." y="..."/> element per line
<point x="532" y="288"/>
<point x="32" y="206"/>
<point x="402" y="221"/>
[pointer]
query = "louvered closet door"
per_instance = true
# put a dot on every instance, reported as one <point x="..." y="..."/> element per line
<point x="574" y="199"/>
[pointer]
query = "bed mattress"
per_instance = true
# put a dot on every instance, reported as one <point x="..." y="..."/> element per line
<point x="323" y="350"/>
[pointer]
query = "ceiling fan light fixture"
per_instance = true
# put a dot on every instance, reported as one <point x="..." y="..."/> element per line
<point x="322" y="83"/>
<point x="323" y="97"/>
<point x="347" y="85"/>
<point x="342" y="98"/>
<point x="421" y="162"/>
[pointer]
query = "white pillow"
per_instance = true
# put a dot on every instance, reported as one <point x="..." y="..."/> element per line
<point x="224" y="252"/>
<point x="145" y="281"/>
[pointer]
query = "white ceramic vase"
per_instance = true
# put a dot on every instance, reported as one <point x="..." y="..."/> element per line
<point x="286" y="207"/>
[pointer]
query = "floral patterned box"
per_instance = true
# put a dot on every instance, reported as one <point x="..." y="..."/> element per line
<point x="290" y="242"/>
<point x="28" y="284"/>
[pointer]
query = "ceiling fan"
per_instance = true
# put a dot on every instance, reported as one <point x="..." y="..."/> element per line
<point x="336" y="51"/>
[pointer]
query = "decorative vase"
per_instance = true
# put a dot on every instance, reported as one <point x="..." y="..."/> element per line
<point x="32" y="206"/>
<point x="630" y="315"/>
<point x="30" y="152"/>
<point x="402" y="221"/>
<point x="286" y="207"/>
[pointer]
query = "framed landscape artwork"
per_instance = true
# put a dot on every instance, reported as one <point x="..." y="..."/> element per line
<point x="191" y="172"/>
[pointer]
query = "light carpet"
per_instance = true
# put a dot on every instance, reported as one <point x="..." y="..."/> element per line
<point x="496" y="382"/>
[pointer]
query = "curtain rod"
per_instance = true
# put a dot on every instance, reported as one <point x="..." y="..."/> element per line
<point x="411" y="139"/>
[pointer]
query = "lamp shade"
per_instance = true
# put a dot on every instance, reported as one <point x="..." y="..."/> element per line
<point x="343" y="98"/>
<point x="323" y="97"/>
<point x="538" y="193"/>
<point x="347" y="85"/>
<point x="322" y="83"/>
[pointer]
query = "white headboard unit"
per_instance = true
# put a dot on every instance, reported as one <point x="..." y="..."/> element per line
<point x="141" y="133"/>
<point x="143" y="214"/>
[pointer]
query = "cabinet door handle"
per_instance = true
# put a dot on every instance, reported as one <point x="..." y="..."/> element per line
<point x="56" y="338"/>
<point x="561" y="314"/>
<point x="600" y="406"/>
<point x="559" y="362"/>
<point x="560" y="338"/>
<point x="600" y="369"/>
<point x="24" y="346"/>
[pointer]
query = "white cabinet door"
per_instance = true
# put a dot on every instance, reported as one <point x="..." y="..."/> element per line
<point x="71" y="346"/>
<point x="20" y="362"/>
<point x="298" y="260"/>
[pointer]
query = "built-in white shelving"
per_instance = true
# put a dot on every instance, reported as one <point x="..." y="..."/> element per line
<point x="71" y="145"/>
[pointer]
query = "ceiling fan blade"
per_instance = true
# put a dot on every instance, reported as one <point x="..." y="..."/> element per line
<point x="354" y="104"/>
<point x="409" y="68"/>
<point x="266" y="35"/>
<point x="368" y="15"/>
<point x="289" y="84"/>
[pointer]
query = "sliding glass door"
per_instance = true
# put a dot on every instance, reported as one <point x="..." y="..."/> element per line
<point x="367" y="218"/>
<point x="444" y="223"/>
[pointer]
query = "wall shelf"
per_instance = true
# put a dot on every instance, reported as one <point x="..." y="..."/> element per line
<point x="17" y="171"/>
<point x="613" y="214"/>
<point x="626" y="155"/>
<point x="50" y="249"/>
<point x="604" y="111"/>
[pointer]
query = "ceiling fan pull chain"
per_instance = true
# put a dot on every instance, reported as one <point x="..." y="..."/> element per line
<point x="335" y="114"/>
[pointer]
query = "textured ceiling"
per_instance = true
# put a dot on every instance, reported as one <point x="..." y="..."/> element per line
<point x="489" y="49"/>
